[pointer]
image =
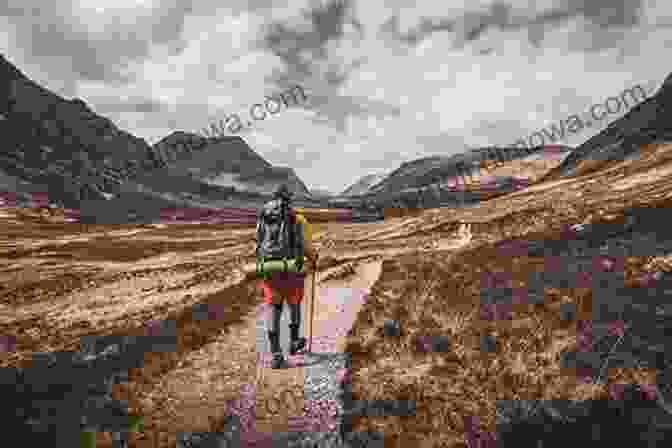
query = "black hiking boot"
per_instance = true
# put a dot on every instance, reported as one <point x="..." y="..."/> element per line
<point x="297" y="344"/>
<point x="278" y="359"/>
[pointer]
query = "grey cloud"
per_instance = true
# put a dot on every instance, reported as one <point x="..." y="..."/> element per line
<point x="335" y="109"/>
<point x="166" y="24"/>
<point x="141" y="105"/>
<point x="293" y="46"/>
<point x="238" y="6"/>
<point x="471" y="25"/>
<point x="607" y="13"/>
<point x="49" y="29"/>
<point x="441" y="144"/>
<point x="426" y="27"/>
<point x="468" y="27"/>
<point x="304" y="53"/>
<point x="307" y="159"/>
<point x="609" y="17"/>
<point x="373" y="165"/>
<point x="294" y="155"/>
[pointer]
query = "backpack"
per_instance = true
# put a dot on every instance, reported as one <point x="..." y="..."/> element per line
<point x="279" y="235"/>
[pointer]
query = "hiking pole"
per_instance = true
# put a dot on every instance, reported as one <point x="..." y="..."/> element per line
<point x="312" y="308"/>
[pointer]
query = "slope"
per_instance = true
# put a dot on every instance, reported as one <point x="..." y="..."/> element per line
<point x="511" y="291"/>
<point x="645" y="124"/>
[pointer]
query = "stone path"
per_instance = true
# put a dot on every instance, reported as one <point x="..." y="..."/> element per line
<point x="336" y="306"/>
<point x="316" y="376"/>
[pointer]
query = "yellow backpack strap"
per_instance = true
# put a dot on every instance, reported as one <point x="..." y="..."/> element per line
<point x="307" y="228"/>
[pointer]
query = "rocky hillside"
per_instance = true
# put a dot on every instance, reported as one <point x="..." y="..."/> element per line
<point x="438" y="169"/>
<point x="265" y="180"/>
<point x="647" y="123"/>
<point x="466" y="178"/>
<point x="204" y="157"/>
<point x="224" y="162"/>
<point x="62" y="147"/>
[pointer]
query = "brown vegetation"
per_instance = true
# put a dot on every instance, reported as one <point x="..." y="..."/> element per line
<point x="64" y="281"/>
<point x="439" y="295"/>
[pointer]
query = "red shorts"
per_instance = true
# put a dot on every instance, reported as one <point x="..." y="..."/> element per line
<point x="283" y="287"/>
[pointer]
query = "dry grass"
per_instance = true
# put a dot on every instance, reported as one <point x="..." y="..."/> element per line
<point x="159" y="272"/>
<point x="439" y="295"/>
<point x="464" y="381"/>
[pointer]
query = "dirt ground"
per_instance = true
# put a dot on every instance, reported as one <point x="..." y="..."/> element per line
<point x="64" y="281"/>
<point x="59" y="282"/>
<point x="439" y="293"/>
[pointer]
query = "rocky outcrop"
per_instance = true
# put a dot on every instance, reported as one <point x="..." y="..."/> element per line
<point x="62" y="144"/>
<point x="644" y="124"/>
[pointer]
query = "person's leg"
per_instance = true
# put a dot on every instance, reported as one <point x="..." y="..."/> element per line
<point x="273" y="300"/>
<point x="295" y="313"/>
<point x="274" y="335"/>
<point x="274" y="315"/>
<point x="294" y="299"/>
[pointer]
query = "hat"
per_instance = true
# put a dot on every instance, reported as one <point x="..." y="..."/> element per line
<point x="283" y="192"/>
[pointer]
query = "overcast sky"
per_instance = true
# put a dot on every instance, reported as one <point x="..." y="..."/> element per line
<point x="386" y="81"/>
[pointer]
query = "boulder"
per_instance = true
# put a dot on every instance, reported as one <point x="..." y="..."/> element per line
<point x="568" y="312"/>
<point x="488" y="343"/>
<point x="392" y="328"/>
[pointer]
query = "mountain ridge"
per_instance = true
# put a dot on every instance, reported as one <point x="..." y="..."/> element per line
<point x="61" y="146"/>
<point x="646" y="123"/>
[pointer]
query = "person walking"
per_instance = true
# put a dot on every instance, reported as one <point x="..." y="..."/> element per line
<point x="284" y="239"/>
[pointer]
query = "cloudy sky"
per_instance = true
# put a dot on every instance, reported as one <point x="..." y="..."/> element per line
<point x="386" y="81"/>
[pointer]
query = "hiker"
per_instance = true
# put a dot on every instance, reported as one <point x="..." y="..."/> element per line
<point x="283" y="239"/>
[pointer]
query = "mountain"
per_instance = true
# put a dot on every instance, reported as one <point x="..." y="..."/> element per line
<point x="227" y="162"/>
<point x="263" y="180"/>
<point x="463" y="178"/>
<point x="363" y="185"/>
<point x="195" y="172"/>
<point x="646" y="123"/>
<point x="437" y="169"/>
<point x="62" y="147"/>
<point x="207" y="156"/>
